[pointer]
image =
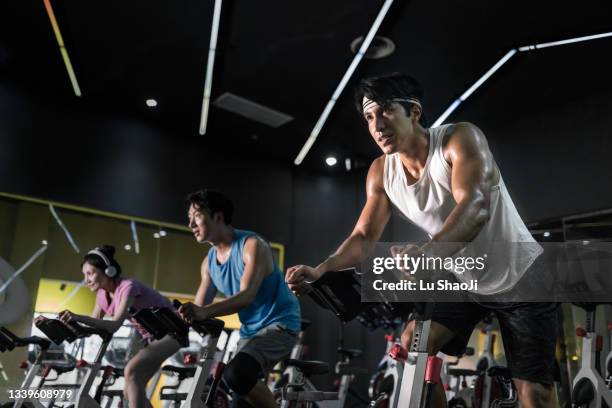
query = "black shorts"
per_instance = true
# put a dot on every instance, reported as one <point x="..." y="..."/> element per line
<point x="529" y="333"/>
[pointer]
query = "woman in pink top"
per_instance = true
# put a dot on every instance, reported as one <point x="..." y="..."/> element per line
<point x="114" y="296"/>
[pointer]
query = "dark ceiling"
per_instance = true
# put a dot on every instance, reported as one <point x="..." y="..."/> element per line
<point x="288" y="55"/>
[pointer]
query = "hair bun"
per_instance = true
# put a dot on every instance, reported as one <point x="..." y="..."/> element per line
<point x="108" y="250"/>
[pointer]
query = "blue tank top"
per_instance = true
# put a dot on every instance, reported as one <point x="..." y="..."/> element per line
<point x="274" y="302"/>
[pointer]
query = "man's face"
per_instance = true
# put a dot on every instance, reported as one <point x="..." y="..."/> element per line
<point x="390" y="126"/>
<point x="201" y="223"/>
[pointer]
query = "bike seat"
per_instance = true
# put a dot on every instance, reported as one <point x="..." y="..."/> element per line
<point x="183" y="372"/>
<point x="61" y="368"/>
<point x="463" y="372"/>
<point x="351" y="353"/>
<point x="308" y="367"/>
<point x="500" y="371"/>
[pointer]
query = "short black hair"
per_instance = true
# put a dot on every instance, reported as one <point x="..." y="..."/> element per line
<point x="382" y="89"/>
<point x="212" y="202"/>
<point x="98" y="262"/>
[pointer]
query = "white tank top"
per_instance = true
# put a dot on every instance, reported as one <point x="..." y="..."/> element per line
<point x="429" y="201"/>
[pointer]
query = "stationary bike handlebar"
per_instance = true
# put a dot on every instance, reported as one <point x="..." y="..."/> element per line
<point x="11" y="340"/>
<point x="164" y="321"/>
<point x="204" y="327"/>
<point x="58" y="331"/>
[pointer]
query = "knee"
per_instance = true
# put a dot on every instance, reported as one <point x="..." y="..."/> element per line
<point x="132" y="373"/>
<point x="407" y="334"/>
<point x="535" y="394"/>
<point x="242" y="373"/>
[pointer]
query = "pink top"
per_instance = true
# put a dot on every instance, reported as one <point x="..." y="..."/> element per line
<point x="144" y="297"/>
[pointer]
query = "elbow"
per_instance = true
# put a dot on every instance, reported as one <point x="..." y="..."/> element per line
<point x="247" y="299"/>
<point x="367" y="239"/>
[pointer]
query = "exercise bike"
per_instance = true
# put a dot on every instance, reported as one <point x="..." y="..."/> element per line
<point x="163" y="321"/>
<point x="589" y="388"/>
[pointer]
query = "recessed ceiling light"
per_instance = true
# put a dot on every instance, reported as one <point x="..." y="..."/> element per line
<point x="127" y="247"/>
<point x="162" y="233"/>
<point x="380" y="47"/>
<point x="547" y="234"/>
<point x="331" y="161"/>
<point x="151" y="103"/>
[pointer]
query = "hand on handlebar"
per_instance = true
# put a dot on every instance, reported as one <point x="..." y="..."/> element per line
<point x="297" y="278"/>
<point x="39" y="319"/>
<point x="67" y="316"/>
<point x="403" y="252"/>
<point x="191" y="312"/>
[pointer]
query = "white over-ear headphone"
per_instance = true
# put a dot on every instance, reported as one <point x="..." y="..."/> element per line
<point x="110" y="270"/>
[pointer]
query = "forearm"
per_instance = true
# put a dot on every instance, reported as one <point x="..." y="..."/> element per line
<point x="108" y="325"/>
<point x="230" y="305"/>
<point x="352" y="251"/>
<point x="461" y="226"/>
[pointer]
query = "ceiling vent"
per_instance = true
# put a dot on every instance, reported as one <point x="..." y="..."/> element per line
<point x="380" y="47"/>
<point x="252" y="110"/>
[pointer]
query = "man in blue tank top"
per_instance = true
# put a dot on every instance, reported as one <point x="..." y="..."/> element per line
<point x="240" y="265"/>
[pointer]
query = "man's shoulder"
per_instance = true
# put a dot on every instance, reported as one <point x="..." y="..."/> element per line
<point x="379" y="161"/>
<point x="252" y="240"/>
<point x="378" y="166"/>
<point x="461" y="131"/>
<point x="377" y="170"/>
<point x="245" y="235"/>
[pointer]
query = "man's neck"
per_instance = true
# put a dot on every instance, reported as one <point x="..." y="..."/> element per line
<point x="416" y="149"/>
<point x="224" y="240"/>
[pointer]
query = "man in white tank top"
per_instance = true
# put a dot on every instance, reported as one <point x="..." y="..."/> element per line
<point x="446" y="181"/>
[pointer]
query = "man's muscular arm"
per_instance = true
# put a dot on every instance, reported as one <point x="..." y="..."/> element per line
<point x="369" y="227"/>
<point x="258" y="263"/>
<point x="473" y="174"/>
<point x="367" y="232"/>
<point x="204" y="295"/>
